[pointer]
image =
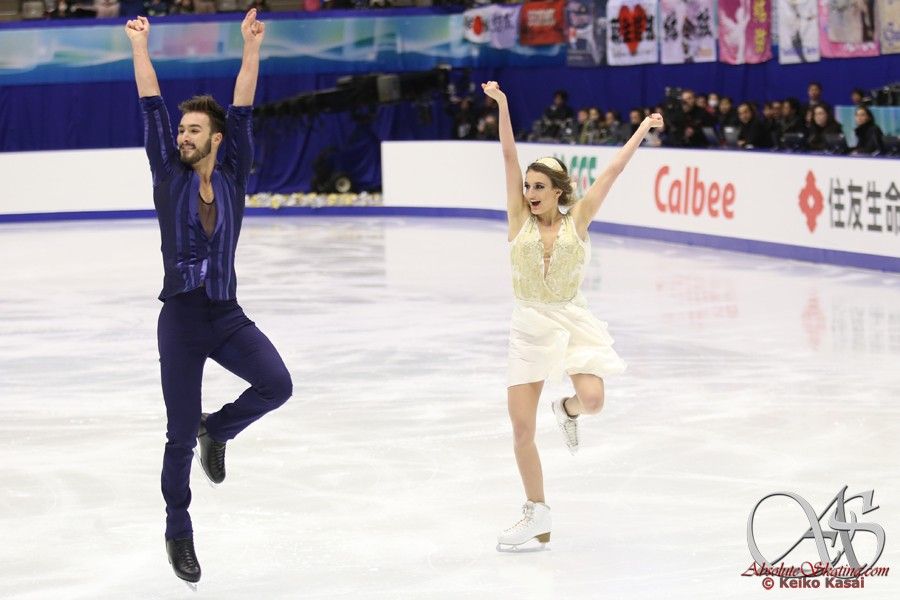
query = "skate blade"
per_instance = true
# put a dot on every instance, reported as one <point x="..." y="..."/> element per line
<point x="527" y="546"/>
<point x="211" y="483"/>
<point x="194" y="586"/>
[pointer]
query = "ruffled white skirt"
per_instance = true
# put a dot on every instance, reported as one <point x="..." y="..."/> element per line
<point x="547" y="340"/>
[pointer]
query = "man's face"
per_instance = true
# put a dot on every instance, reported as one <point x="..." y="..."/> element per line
<point x="744" y="113"/>
<point x="724" y="105"/>
<point x="687" y="100"/>
<point x="194" y="137"/>
<point x="814" y="92"/>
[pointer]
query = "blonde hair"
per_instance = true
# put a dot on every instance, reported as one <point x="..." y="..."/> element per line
<point x="558" y="174"/>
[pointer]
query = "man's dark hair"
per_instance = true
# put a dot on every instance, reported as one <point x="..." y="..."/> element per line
<point x="207" y="105"/>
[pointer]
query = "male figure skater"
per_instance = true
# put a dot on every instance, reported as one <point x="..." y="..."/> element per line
<point x="200" y="204"/>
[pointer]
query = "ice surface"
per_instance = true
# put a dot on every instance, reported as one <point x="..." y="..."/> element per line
<point x="390" y="471"/>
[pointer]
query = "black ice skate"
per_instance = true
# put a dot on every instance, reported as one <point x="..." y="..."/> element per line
<point x="211" y="454"/>
<point x="184" y="560"/>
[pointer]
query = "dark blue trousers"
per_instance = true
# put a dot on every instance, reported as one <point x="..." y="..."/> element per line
<point x="191" y="329"/>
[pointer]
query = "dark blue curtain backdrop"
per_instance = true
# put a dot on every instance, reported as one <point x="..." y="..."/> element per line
<point x="106" y="115"/>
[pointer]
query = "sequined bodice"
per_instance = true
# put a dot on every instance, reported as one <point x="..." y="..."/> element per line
<point x="565" y="271"/>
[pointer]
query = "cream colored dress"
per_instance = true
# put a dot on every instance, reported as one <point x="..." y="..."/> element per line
<point x="552" y="331"/>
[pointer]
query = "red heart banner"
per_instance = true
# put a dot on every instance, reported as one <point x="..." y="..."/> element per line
<point x="632" y="24"/>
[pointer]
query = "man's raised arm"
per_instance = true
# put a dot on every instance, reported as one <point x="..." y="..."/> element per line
<point x="253" y="32"/>
<point x="138" y="31"/>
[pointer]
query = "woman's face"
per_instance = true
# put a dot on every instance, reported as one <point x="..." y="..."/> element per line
<point x="540" y="194"/>
<point x="861" y="117"/>
<point x="820" y="116"/>
<point x="594" y="114"/>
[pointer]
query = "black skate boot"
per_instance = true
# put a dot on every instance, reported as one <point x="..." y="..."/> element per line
<point x="212" y="454"/>
<point x="184" y="560"/>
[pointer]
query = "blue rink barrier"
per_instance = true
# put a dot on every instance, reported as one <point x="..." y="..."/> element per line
<point x="784" y="251"/>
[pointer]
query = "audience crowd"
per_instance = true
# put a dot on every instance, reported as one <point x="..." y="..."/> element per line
<point x="702" y="121"/>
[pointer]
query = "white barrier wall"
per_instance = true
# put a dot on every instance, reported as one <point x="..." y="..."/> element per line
<point x="75" y="181"/>
<point x="842" y="204"/>
<point x="847" y="204"/>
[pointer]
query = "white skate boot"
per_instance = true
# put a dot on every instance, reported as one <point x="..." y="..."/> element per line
<point x="535" y="523"/>
<point x="567" y="424"/>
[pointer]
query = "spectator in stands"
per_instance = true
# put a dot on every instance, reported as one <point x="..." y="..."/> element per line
<point x="814" y="94"/>
<point x="791" y="120"/>
<point x="611" y="130"/>
<point x="259" y="5"/>
<point x="488" y="128"/>
<point x="581" y="118"/>
<point x="687" y="123"/>
<point x="702" y="101"/>
<point x="106" y="9"/>
<point x="465" y="121"/>
<point x="635" y="118"/>
<point x="558" y="116"/>
<point x="857" y="97"/>
<point x="869" y="138"/>
<point x="590" y="130"/>
<point x="726" y="115"/>
<point x="712" y="102"/>
<point x="156" y="8"/>
<point x="182" y="7"/>
<point x="60" y="11"/>
<point x="752" y="133"/>
<point x="823" y="124"/>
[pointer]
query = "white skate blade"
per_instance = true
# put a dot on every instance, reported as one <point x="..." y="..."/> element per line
<point x="193" y="586"/>
<point x="211" y="483"/>
<point x="532" y="545"/>
<point x="523" y="548"/>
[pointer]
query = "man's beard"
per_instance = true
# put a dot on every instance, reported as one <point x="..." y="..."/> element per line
<point x="197" y="155"/>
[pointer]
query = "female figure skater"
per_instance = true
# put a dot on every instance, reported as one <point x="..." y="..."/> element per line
<point x="552" y="329"/>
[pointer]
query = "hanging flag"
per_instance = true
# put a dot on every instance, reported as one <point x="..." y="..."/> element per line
<point x="586" y="21"/>
<point x="504" y="25"/>
<point x="632" y="38"/>
<point x="688" y="31"/>
<point x="542" y="23"/>
<point x="798" y="31"/>
<point x="847" y="28"/>
<point x="475" y="25"/>
<point x="745" y="31"/>
<point x="888" y="25"/>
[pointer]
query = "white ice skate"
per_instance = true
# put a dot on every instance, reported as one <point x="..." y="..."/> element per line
<point x="567" y="425"/>
<point x="535" y="524"/>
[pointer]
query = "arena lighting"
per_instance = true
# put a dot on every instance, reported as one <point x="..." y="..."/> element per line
<point x="359" y="91"/>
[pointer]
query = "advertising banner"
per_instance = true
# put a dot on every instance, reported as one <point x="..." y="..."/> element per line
<point x="542" y="23"/>
<point x="632" y="38"/>
<point x="847" y="28"/>
<point x="689" y="31"/>
<point x="745" y="31"/>
<point x="847" y="204"/>
<point x="587" y="27"/>
<point x="798" y="31"/>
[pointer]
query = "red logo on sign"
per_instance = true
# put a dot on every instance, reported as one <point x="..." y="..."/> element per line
<point x="811" y="201"/>
<point x="692" y="195"/>
<point x="478" y="25"/>
<point x="632" y="25"/>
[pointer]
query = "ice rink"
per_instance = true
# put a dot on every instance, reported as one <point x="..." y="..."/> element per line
<point x="390" y="471"/>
